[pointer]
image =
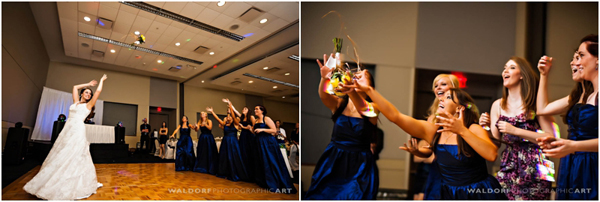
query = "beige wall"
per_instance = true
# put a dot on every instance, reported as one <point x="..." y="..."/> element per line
<point x="286" y="112"/>
<point x="567" y="24"/>
<point x="119" y="87"/>
<point x="24" y="66"/>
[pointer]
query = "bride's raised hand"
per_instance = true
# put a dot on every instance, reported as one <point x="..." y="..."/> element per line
<point x="104" y="77"/>
<point x="93" y="83"/>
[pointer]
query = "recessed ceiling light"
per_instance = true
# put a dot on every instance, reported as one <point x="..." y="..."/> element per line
<point x="294" y="57"/>
<point x="221" y="3"/>
<point x="274" y="86"/>
<point x="283" y="97"/>
<point x="177" y="44"/>
<point x="112" y="50"/>
<point x="265" y="68"/>
<point x="250" y="81"/>
<point x="287" y="74"/>
<point x="263" y="21"/>
<point x="159" y="61"/>
<point x="137" y="32"/>
<point x="211" y="53"/>
<point x="202" y="81"/>
<point x="86" y="18"/>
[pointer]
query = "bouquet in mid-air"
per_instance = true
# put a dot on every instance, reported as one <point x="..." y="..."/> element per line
<point x="339" y="74"/>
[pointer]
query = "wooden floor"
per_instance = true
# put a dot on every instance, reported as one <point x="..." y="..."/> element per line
<point x="157" y="181"/>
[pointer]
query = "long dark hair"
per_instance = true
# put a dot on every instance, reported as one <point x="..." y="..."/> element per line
<point x="470" y="116"/>
<point x="164" y="123"/>
<point x="584" y="88"/>
<point x="243" y="116"/>
<point x="262" y="109"/>
<point x="83" y="90"/>
<point x="181" y="122"/>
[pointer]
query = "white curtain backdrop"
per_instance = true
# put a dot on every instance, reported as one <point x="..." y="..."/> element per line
<point x="52" y="104"/>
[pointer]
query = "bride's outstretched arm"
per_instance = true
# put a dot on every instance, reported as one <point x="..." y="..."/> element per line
<point x="92" y="102"/>
<point x="80" y="86"/>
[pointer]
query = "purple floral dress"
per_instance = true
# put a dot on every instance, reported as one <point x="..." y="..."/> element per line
<point x="518" y="171"/>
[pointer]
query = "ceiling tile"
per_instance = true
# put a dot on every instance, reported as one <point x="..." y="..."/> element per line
<point x="86" y="28"/>
<point x="184" y="36"/>
<point x="65" y="11"/>
<point x="151" y="37"/>
<point x="172" y="31"/>
<point x="165" y="40"/>
<point x="108" y="12"/>
<point x="171" y="50"/>
<point x="98" y="45"/>
<point x="193" y="29"/>
<point x="147" y="14"/>
<point x="203" y="3"/>
<point x="157" y="4"/>
<point x="179" y="25"/>
<point x="129" y="9"/>
<point x="207" y="15"/>
<point x="117" y="36"/>
<point x="236" y="9"/>
<point x="265" y="6"/>
<point x="105" y="33"/>
<point x="287" y="11"/>
<point x="248" y="29"/>
<point x="199" y="39"/>
<point x="192" y="10"/>
<point x="275" y="25"/>
<point x="163" y="20"/>
<point x="220" y="9"/>
<point x="159" y="47"/>
<point x="140" y="24"/>
<point x="89" y="7"/>
<point x="270" y="18"/>
<point x="174" y="7"/>
<point x="123" y="22"/>
<point x="158" y="27"/>
<point x="111" y="4"/>
<point x="221" y="21"/>
<point x="69" y="5"/>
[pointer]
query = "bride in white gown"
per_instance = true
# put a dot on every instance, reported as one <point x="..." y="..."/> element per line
<point x="68" y="172"/>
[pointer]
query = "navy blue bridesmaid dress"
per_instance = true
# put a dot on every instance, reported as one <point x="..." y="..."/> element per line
<point x="433" y="185"/>
<point x="465" y="178"/>
<point x="208" y="155"/>
<point x="347" y="169"/>
<point x="231" y="165"/>
<point x="185" y="154"/>
<point x="578" y="172"/>
<point x="247" y="143"/>
<point x="271" y="171"/>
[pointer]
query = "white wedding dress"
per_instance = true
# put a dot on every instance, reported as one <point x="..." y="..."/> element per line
<point x="68" y="172"/>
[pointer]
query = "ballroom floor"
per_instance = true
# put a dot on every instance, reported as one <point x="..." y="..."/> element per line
<point x="157" y="181"/>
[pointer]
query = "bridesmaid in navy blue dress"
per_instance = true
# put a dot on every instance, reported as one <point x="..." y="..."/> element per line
<point x="578" y="171"/>
<point x="185" y="154"/>
<point x="347" y="169"/>
<point x="231" y="165"/>
<point x="271" y="171"/>
<point x="460" y="146"/>
<point x="247" y="141"/>
<point x="208" y="155"/>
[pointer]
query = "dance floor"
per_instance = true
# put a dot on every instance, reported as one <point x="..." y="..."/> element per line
<point x="157" y="181"/>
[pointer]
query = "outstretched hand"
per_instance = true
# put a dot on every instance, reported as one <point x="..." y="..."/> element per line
<point x="93" y="83"/>
<point x="544" y="65"/>
<point x="451" y="123"/>
<point x="325" y="70"/>
<point x="209" y="109"/>
<point x="225" y="100"/>
<point x="104" y="77"/>
<point x="411" y="147"/>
